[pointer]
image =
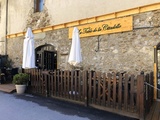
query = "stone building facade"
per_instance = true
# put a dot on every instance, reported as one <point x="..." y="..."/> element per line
<point x="131" y="51"/>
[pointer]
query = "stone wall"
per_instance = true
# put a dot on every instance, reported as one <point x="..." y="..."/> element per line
<point x="128" y="51"/>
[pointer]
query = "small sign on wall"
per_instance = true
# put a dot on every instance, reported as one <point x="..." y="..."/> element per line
<point x="105" y="27"/>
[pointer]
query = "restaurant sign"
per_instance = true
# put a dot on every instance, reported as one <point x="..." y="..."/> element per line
<point x="105" y="27"/>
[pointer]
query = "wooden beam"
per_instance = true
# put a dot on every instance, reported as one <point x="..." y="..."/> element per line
<point x="20" y="34"/>
<point x="105" y="17"/>
<point x="13" y="35"/>
<point x="128" y="12"/>
<point x="155" y="72"/>
<point x="91" y="20"/>
<point x="70" y="24"/>
<point x="150" y="7"/>
<point x="47" y="28"/>
<point x="84" y="21"/>
<point x="59" y="26"/>
<point x="37" y="31"/>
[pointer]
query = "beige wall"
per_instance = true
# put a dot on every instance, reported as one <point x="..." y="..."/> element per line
<point x="2" y="26"/>
<point x="17" y="14"/>
<point x="62" y="11"/>
<point x="69" y="10"/>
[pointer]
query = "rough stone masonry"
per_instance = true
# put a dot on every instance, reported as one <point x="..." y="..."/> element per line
<point x="128" y="51"/>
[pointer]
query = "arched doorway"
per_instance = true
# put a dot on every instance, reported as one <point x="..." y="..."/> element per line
<point x="46" y="57"/>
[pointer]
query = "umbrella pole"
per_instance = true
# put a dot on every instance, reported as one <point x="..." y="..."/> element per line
<point x="73" y="67"/>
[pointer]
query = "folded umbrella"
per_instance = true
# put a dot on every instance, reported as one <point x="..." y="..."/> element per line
<point x="28" y="50"/>
<point x="75" y="56"/>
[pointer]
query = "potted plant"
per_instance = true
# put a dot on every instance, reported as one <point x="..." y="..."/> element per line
<point x="21" y="80"/>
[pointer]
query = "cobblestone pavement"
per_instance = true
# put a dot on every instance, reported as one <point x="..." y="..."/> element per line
<point x="30" y="107"/>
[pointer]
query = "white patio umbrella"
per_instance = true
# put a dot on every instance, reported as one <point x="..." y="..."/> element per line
<point x="75" y="56"/>
<point x="28" y="50"/>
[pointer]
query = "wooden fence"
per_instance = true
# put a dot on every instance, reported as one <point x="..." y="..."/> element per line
<point x="122" y="94"/>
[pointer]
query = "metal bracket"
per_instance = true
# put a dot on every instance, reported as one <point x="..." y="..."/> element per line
<point x="98" y="38"/>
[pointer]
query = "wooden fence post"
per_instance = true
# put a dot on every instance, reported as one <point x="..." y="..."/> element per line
<point x="151" y="90"/>
<point x="46" y="85"/>
<point x="85" y="80"/>
<point x="140" y="94"/>
<point x="147" y="95"/>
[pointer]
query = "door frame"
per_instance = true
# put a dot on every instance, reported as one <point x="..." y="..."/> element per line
<point x="156" y="48"/>
<point x="155" y="71"/>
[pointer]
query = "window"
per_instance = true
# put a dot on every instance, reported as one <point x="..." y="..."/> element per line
<point x="38" y="5"/>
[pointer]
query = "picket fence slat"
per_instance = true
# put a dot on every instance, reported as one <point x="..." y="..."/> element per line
<point x="114" y="90"/>
<point x="104" y="90"/>
<point x="68" y="83"/>
<point x="132" y="91"/>
<point x="109" y="90"/>
<point x="90" y="87"/>
<point x="79" y="86"/>
<point x="101" y="90"/>
<point x="55" y="83"/>
<point x="126" y="92"/>
<point x="120" y="92"/>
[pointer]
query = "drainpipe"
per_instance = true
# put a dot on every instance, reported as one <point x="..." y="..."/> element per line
<point x="6" y="32"/>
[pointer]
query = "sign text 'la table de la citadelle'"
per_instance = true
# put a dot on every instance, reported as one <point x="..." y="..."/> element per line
<point x="104" y="27"/>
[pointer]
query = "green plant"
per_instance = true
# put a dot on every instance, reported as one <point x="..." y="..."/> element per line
<point x="9" y="63"/>
<point x="20" y="78"/>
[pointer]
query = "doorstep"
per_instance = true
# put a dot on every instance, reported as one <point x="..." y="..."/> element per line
<point x="8" y="88"/>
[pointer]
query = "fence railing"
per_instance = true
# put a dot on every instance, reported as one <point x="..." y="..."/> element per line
<point x="123" y="94"/>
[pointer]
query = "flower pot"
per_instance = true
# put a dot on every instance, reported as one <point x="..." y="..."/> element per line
<point x="20" y="89"/>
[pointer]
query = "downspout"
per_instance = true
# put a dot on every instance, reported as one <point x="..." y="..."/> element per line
<point x="6" y="32"/>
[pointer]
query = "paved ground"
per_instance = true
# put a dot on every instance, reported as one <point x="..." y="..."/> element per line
<point x="29" y="107"/>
